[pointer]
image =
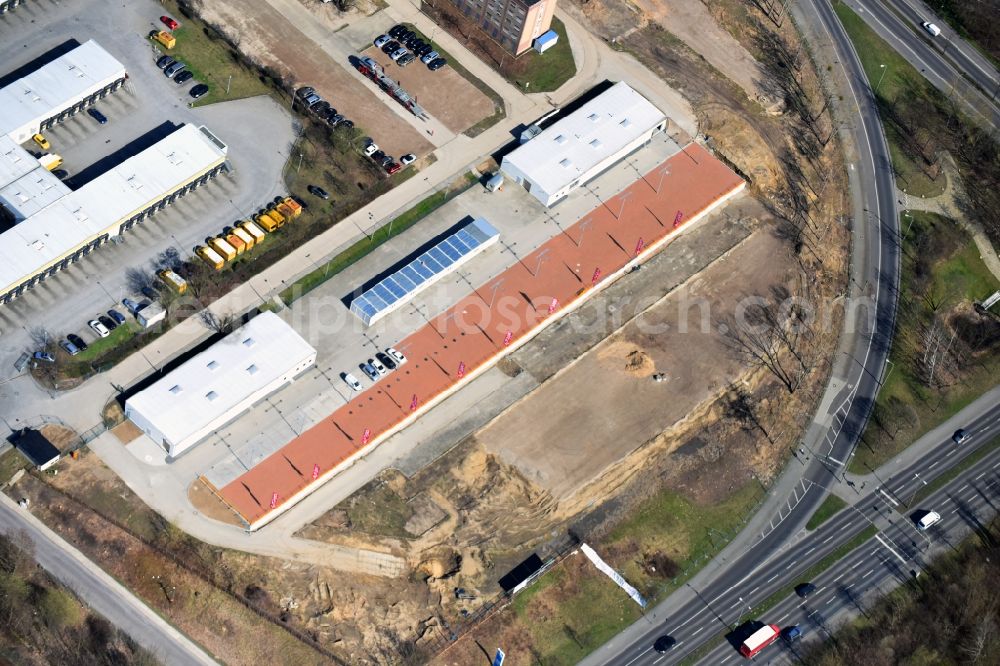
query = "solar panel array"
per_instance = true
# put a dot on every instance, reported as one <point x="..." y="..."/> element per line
<point x="394" y="290"/>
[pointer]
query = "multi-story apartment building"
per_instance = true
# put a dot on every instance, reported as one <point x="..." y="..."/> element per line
<point x="512" y="23"/>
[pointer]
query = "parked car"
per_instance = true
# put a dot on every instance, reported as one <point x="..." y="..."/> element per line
<point x="165" y="61"/>
<point x="424" y="50"/>
<point x="351" y="381"/>
<point x="370" y="148"/>
<point x="386" y="360"/>
<point x="169" y="22"/>
<point x="961" y="435"/>
<point x="318" y="191"/>
<point x="99" y="328"/>
<point x="379" y="368"/>
<point x="98" y="116"/>
<point x="42" y="142"/>
<point x="334" y="120"/>
<point x="118" y="317"/>
<point x="130" y="305"/>
<point x="173" y="69"/>
<point x="108" y="322"/>
<point x="428" y="58"/>
<point x="437" y="64"/>
<point x="381" y="39"/>
<point x="43" y="356"/>
<point x="407" y="159"/>
<point x="377" y="156"/>
<point x="398" y="53"/>
<point x="406" y="59"/>
<point x="199" y="90"/>
<point x="386" y="160"/>
<point x="346" y="123"/>
<point x="320" y="107"/>
<point x="184" y="77"/>
<point x="77" y="340"/>
<point x="390" y="47"/>
<point x="304" y="91"/>
<point x="370" y="371"/>
<point x="395" y="355"/>
<point x="392" y="168"/>
<point x="397" y="30"/>
<point x="69" y="347"/>
<point x="150" y="293"/>
<point x="61" y="174"/>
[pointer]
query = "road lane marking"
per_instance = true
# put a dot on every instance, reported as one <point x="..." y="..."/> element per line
<point x="700" y="629"/>
<point x="827" y="540"/>
<point x="772" y="577"/>
<point x="754" y="589"/>
<point x="810" y="550"/>
<point x="980" y="476"/>
<point x="933" y="464"/>
<point x="870" y="571"/>
<point x="839" y="577"/>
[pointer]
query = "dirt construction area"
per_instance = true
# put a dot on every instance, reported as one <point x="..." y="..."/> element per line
<point x="267" y="36"/>
<point x="561" y="437"/>
<point x="445" y="94"/>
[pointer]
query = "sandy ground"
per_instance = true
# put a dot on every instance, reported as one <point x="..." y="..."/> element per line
<point x="445" y="94"/>
<point x="606" y="404"/>
<point x="269" y="37"/>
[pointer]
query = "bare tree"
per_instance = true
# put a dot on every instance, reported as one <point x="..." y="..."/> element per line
<point x="740" y="407"/>
<point x="138" y="279"/>
<point x="219" y="324"/>
<point x="762" y="337"/>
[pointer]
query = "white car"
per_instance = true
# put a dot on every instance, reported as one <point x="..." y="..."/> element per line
<point x="931" y="28"/>
<point x="398" y="53"/>
<point x="427" y="59"/>
<point x="379" y="368"/>
<point x="408" y="158"/>
<point x="99" y="328"/>
<point x="928" y="519"/>
<point x="370" y="148"/>
<point x="396" y="356"/>
<point x="381" y="39"/>
<point x="351" y="381"/>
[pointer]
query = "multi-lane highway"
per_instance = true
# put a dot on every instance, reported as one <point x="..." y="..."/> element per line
<point x="845" y="408"/>
<point x="884" y="561"/>
<point x="945" y="63"/>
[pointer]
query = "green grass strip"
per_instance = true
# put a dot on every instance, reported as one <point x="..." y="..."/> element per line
<point x="831" y="505"/>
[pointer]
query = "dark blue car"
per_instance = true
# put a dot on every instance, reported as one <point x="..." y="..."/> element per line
<point x="98" y="116"/>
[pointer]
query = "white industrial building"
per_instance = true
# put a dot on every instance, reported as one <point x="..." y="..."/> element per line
<point x="58" y="90"/>
<point x="55" y="230"/>
<point x="219" y="384"/>
<point x="585" y="143"/>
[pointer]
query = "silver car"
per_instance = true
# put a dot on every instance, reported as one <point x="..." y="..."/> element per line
<point x="433" y="55"/>
<point x="398" y="53"/>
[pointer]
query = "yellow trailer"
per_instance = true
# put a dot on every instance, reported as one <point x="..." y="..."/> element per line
<point x="222" y="247"/>
<point x="165" y="38"/>
<point x="268" y="222"/>
<point x="276" y="214"/>
<point x="210" y="257"/>
<point x="247" y="239"/>
<point x="256" y="232"/>
<point x="173" y="280"/>
<point x="286" y="211"/>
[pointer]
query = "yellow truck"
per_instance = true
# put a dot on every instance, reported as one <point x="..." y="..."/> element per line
<point x="276" y="214"/>
<point x="50" y="161"/>
<point x="210" y="257"/>
<point x="268" y="222"/>
<point x="255" y="232"/>
<point x="246" y="238"/>
<point x="165" y="38"/>
<point x="173" y="280"/>
<point x="222" y="247"/>
<point x="285" y="210"/>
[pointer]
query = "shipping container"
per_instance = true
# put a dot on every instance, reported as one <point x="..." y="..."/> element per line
<point x="242" y="234"/>
<point x="256" y="232"/>
<point x="278" y="217"/>
<point x="294" y="205"/>
<point x="268" y="222"/>
<point x="237" y="243"/>
<point x="173" y="280"/>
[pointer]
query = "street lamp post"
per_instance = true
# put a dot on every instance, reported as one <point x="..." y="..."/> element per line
<point x="884" y="70"/>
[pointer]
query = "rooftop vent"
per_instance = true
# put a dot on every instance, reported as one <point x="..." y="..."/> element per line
<point x="560" y="139"/>
<point x="211" y="395"/>
<point x="595" y="143"/>
<point x="565" y="163"/>
<point x="252" y="369"/>
<point x="249" y="342"/>
<point x="625" y="122"/>
<point x="593" y="117"/>
<point x="212" y="365"/>
<point x="175" y="389"/>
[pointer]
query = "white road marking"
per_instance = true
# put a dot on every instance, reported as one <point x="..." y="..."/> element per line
<point x="790" y="565"/>
<point x="870" y="572"/>
<point x="839" y="577"/>
<point x="754" y="589"/>
<point x="772" y="577"/>
<point x="700" y="629"/>
<point x="933" y="465"/>
<point x="980" y="476"/>
<point x="827" y="540"/>
<point x="810" y="550"/>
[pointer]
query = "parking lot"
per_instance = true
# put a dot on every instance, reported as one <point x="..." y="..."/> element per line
<point x="258" y="131"/>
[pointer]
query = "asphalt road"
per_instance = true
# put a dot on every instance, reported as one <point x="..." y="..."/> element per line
<point x="875" y="274"/>
<point x="936" y="58"/>
<point x="100" y="591"/>
<point x="888" y="505"/>
<point x="880" y="564"/>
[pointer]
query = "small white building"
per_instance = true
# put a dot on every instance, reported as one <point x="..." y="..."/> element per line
<point x="585" y="143"/>
<point x="221" y="383"/>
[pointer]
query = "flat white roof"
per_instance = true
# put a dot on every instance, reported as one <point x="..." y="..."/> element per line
<point x="582" y="140"/>
<point x="218" y="379"/>
<point x="105" y="202"/>
<point x="56" y="86"/>
<point x="32" y="192"/>
<point x="15" y="161"/>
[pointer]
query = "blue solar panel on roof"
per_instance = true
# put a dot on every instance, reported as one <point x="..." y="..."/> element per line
<point x="452" y="253"/>
<point x="414" y="276"/>
<point x="427" y="261"/>
<point x="397" y="290"/>
<point x="467" y="238"/>
<point x="423" y="269"/>
<point x="404" y="281"/>
<point x="384" y="294"/>
<point x="441" y="257"/>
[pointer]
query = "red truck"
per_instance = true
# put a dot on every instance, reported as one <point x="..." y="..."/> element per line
<point x="759" y="640"/>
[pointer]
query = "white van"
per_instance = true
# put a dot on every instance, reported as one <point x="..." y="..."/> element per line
<point x="928" y="519"/>
<point x="931" y="28"/>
